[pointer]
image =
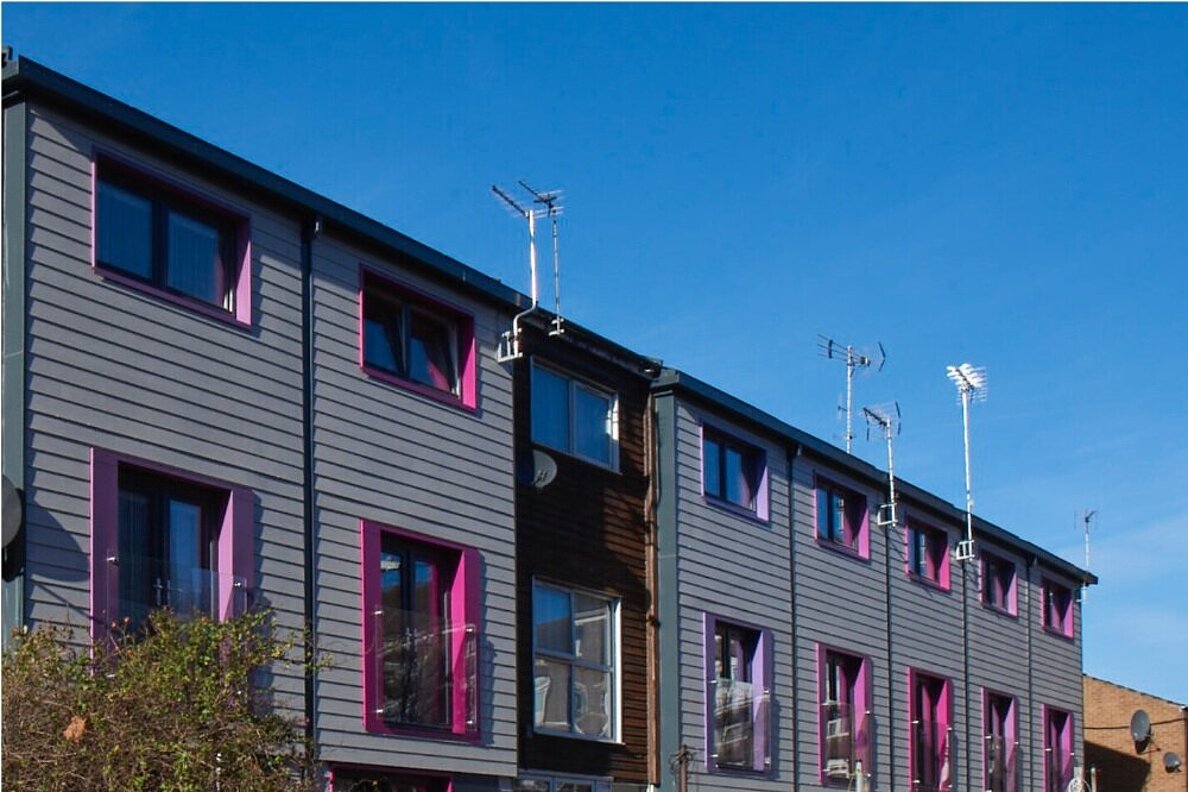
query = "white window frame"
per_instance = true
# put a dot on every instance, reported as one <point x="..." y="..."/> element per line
<point x="614" y="669"/>
<point x="575" y="384"/>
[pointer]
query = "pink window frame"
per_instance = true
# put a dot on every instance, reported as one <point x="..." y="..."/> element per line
<point x="235" y="543"/>
<point x="418" y="775"/>
<point x="1067" y="627"/>
<point x="242" y="263"/>
<point x="1067" y="740"/>
<point x="464" y="609"/>
<point x="946" y="709"/>
<point x="820" y="482"/>
<point x="863" y="697"/>
<point x="756" y="455"/>
<point x="762" y="670"/>
<point x="463" y="320"/>
<point x="943" y="579"/>
<point x="1012" y="593"/>
<point x="1010" y="736"/>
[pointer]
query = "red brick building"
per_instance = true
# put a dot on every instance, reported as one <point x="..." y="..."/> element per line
<point x="1122" y="765"/>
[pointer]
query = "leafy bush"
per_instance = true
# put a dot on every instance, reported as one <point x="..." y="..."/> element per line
<point x="171" y="708"/>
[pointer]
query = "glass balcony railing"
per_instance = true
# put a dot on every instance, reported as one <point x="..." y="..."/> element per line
<point x="146" y="583"/>
<point x="741" y="724"/>
<point x="845" y="750"/>
<point x="1001" y="768"/>
<point x="932" y="757"/>
<point x="426" y="674"/>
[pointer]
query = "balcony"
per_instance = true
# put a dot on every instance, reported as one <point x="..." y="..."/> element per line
<point x="932" y="756"/>
<point x="845" y="746"/>
<point x="147" y="583"/>
<point x="741" y="724"/>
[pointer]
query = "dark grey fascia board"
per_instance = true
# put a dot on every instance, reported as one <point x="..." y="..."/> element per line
<point x="680" y="382"/>
<point x="31" y="78"/>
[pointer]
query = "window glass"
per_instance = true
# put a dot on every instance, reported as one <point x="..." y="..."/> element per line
<point x="573" y="668"/>
<point x="1001" y="772"/>
<point x="930" y="735"/>
<point x="194" y="265"/>
<point x="550" y="409"/>
<point x="382" y="333"/>
<point x="712" y="459"/>
<point x="413" y="646"/>
<point x="430" y="352"/>
<point x="735" y="481"/>
<point x="1058" y="766"/>
<point x="125" y="226"/>
<point x="731" y="470"/>
<point x="842" y="720"/>
<point x="592" y="425"/>
<point x="735" y="693"/>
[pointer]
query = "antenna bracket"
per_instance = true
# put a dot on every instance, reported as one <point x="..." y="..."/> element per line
<point x="886" y="516"/>
<point x="964" y="551"/>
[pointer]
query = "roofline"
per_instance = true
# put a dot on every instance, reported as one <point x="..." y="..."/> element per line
<point x="27" y="77"/>
<point x="678" y="381"/>
<point x="23" y="76"/>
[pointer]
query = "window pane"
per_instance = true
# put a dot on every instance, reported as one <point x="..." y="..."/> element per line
<point x="195" y="263"/>
<point x="430" y="352"/>
<point x="592" y="705"/>
<point x="188" y="585"/>
<point x="550" y="409"/>
<point x="125" y="231"/>
<point x="712" y="460"/>
<point x="383" y="346"/>
<point x="552" y="694"/>
<point x="592" y="622"/>
<point x="553" y="620"/>
<point x="592" y="425"/>
<point x="736" y="485"/>
<point x="138" y="567"/>
<point x="733" y="723"/>
<point x="837" y="508"/>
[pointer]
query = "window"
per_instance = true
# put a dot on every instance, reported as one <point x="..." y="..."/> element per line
<point x="1058" y="608"/>
<point x="161" y="537"/>
<point x="574" y="635"/>
<point x="931" y="768"/>
<point x="843" y="724"/>
<point x="928" y="554"/>
<point x="998" y="583"/>
<point x="1058" y="750"/>
<point x="543" y="783"/>
<point x="420" y="639"/>
<point x="574" y="417"/>
<point x="737" y="693"/>
<point x="154" y="234"/>
<point x="733" y="472"/>
<point x="416" y="342"/>
<point x="842" y="518"/>
<point x="1002" y="773"/>
<point x="343" y="780"/>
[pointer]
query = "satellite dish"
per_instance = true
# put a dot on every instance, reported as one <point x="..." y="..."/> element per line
<point x="544" y="469"/>
<point x="12" y="511"/>
<point x="1172" y="762"/>
<point x="1140" y="728"/>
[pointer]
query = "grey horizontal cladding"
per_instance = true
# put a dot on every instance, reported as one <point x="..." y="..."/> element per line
<point x="392" y="455"/>
<point x="120" y="370"/>
<point x="736" y="567"/>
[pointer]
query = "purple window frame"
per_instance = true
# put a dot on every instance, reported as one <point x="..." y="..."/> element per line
<point x="461" y="320"/>
<point x="1009" y="593"/>
<point x="943" y="709"/>
<point x="1010" y="738"/>
<point x="442" y="781"/>
<point x="1064" y="735"/>
<point x="464" y="609"/>
<point x="761" y="671"/>
<point x="863" y="694"/>
<point x="937" y="572"/>
<point x="754" y="460"/>
<point x="858" y="535"/>
<point x="235" y="544"/>
<point x="1057" y="618"/>
<point x="177" y="194"/>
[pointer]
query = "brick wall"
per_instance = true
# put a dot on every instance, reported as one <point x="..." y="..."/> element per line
<point x="1121" y="766"/>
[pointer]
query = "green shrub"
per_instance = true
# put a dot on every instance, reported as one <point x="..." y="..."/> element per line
<point x="173" y="707"/>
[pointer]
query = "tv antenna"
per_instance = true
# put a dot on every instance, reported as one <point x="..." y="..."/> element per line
<point x="853" y="360"/>
<point x="1086" y="517"/>
<point x="971" y="386"/>
<point x="546" y="204"/>
<point x="886" y="418"/>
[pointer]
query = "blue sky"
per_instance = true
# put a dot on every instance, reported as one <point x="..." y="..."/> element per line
<point x="998" y="184"/>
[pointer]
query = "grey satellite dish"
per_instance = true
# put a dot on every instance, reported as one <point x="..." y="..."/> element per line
<point x="544" y="469"/>
<point x="12" y="511"/>
<point x="1172" y="762"/>
<point x="1140" y="728"/>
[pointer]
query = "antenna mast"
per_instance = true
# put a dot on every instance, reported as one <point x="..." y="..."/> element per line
<point x="853" y="360"/>
<point x="971" y="386"/>
<point x="509" y="347"/>
<point x="886" y="418"/>
<point x="1089" y="515"/>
